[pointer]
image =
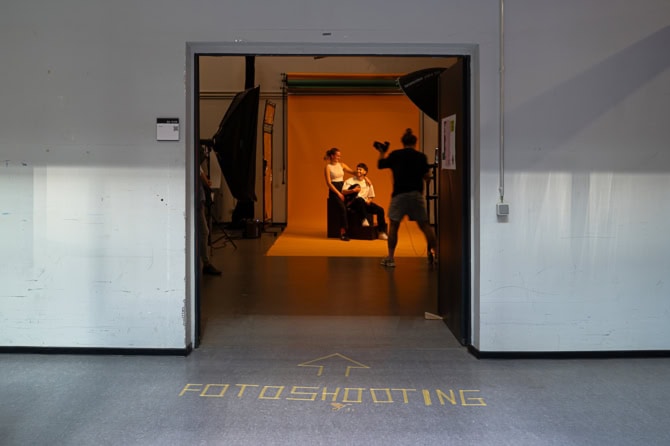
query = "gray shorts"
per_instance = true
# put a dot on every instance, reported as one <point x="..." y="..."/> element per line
<point x="412" y="204"/>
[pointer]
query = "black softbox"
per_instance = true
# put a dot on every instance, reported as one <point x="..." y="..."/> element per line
<point x="235" y="144"/>
<point x="421" y="87"/>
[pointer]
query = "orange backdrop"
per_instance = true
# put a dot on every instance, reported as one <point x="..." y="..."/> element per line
<point x="351" y="123"/>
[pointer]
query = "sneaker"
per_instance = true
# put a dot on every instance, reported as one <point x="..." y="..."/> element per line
<point x="344" y="237"/>
<point x="365" y="223"/>
<point x="389" y="262"/>
<point x="210" y="270"/>
<point x="383" y="236"/>
<point x="431" y="259"/>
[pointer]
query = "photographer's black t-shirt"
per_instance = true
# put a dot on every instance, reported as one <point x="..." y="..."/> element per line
<point x="409" y="167"/>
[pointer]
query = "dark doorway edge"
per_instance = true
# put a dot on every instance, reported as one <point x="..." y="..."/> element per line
<point x="615" y="354"/>
<point x="98" y="351"/>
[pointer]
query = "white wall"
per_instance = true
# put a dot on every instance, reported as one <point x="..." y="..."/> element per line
<point x="582" y="263"/>
<point x="95" y="222"/>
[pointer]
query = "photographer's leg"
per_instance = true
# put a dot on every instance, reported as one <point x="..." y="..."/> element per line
<point x="392" y="242"/>
<point x="396" y="213"/>
<point x="431" y="239"/>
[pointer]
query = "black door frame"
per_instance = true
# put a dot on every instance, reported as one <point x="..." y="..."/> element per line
<point x="454" y="287"/>
<point x="196" y="49"/>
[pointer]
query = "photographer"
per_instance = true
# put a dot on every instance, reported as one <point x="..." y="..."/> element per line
<point x="410" y="169"/>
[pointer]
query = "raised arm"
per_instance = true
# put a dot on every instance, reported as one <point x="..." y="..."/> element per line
<point x="382" y="161"/>
<point x="348" y="169"/>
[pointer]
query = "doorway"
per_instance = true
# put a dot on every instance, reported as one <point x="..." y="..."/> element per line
<point x="276" y="53"/>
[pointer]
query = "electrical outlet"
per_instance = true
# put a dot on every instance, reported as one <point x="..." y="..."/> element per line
<point x="502" y="209"/>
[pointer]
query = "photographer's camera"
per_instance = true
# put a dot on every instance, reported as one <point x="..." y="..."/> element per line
<point x="382" y="147"/>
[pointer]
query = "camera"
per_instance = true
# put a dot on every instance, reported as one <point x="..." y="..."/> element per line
<point x="382" y="147"/>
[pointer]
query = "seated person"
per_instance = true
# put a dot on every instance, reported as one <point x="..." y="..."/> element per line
<point x="362" y="202"/>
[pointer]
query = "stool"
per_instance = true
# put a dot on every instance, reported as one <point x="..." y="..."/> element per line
<point x="333" y="221"/>
<point x="356" y="230"/>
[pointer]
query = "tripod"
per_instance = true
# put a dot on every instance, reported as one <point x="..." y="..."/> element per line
<point x="211" y="221"/>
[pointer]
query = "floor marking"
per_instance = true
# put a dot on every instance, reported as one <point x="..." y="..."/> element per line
<point x="339" y="406"/>
<point x="319" y="363"/>
<point x="339" y="397"/>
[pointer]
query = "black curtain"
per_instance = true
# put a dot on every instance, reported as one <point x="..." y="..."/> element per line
<point x="421" y="87"/>
<point x="235" y="145"/>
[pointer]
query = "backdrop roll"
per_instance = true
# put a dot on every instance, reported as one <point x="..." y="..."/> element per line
<point x="351" y="123"/>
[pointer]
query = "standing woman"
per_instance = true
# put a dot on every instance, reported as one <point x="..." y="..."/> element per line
<point x="334" y="175"/>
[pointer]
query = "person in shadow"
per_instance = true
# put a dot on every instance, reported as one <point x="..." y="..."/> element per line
<point x="204" y="201"/>
<point x="361" y="202"/>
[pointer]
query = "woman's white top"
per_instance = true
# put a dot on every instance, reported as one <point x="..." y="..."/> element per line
<point x="336" y="172"/>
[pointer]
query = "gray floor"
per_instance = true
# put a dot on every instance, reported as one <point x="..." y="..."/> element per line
<point x="318" y="351"/>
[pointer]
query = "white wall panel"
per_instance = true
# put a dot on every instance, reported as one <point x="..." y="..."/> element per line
<point x="94" y="213"/>
<point x="581" y="263"/>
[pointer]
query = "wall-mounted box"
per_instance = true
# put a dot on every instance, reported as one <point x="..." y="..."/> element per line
<point x="167" y="129"/>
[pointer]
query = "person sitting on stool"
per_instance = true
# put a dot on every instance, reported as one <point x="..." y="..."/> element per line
<point x="362" y="202"/>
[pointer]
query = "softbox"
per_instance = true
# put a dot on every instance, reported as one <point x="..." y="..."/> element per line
<point x="235" y="144"/>
<point x="421" y="87"/>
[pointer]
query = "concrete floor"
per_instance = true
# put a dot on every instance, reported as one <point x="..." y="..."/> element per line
<point x="346" y="358"/>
